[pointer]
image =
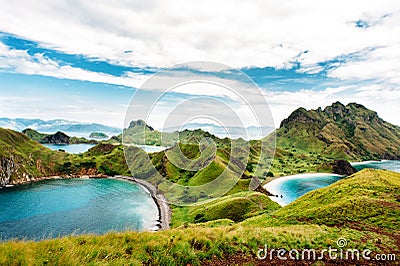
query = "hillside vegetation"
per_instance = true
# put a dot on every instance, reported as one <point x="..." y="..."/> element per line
<point x="308" y="140"/>
<point x="57" y="138"/>
<point x="236" y="207"/>
<point x="22" y="158"/>
<point x="364" y="208"/>
<point x="312" y="221"/>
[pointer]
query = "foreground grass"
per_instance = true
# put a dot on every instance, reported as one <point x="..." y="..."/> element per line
<point x="363" y="209"/>
<point x="192" y="245"/>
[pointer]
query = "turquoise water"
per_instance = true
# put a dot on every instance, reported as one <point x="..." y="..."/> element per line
<point x="384" y="164"/>
<point x="289" y="188"/>
<point x="81" y="148"/>
<point x="71" y="148"/>
<point x="54" y="208"/>
<point x="295" y="186"/>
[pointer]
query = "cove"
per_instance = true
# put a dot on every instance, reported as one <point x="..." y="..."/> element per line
<point x="390" y="165"/>
<point x="295" y="186"/>
<point x="70" y="148"/>
<point x="289" y="188"/>
<point x="54" y="208"/>
<point x="81" y="148"/>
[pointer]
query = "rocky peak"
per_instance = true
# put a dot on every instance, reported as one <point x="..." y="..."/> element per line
<point x="335" y="111"/>
<point x="301" y="115"/>
<point x="140" y="123"/>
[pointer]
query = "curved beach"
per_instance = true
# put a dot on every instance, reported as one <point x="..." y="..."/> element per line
<point x="275" y="186"/>
<point x="164" y="210"/>
<point x="159" y="198"/>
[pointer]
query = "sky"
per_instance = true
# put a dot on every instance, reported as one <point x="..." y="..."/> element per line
<point x="86" y="60"/>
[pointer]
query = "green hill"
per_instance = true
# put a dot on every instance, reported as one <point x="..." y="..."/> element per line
<point x="98" y="135"/>
<point x="350" y="132"/>
<point x="22" y="158"/>
<point x="140" y="133"/>
<point x="57" y="138"/>
<point x="308" y="140"/>
<point x="368" y="219"/>
<point x="368" y="199"/>
<point x="35" y="135"/>
<point x="235" y="207"/>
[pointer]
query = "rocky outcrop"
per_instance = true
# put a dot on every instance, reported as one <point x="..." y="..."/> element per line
<point x="59" y="138"/>
<point x="343" y="167"/>
<point x="303" y="116"/>
<point x="8" y="169"/>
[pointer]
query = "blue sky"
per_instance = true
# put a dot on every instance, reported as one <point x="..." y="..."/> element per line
<point x="85" y="61"/>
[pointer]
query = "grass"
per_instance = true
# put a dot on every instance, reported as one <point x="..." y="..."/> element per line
<point x="368" y="198"/>
<point x="27" y="157"/>
<point x="41" y="138"/>
<point x="235" y="207"/>
<point x="191" y="245"/>
<point x="362" y="208"/>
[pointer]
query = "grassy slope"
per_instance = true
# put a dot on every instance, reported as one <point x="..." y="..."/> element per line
<point x="107" y="159"/>
<point x="236" y="207"/>
<point x="30" y="157"/>
<point x="40" y="137"/>
<point x="312" y="221"/>
<point x="33" y="159"/>
<point x="367" y="199"/>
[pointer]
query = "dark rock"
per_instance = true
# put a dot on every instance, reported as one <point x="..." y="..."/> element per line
<point x="59" y="138"/>
<point x="343" y="167"/>
<point x="261" y="189"/>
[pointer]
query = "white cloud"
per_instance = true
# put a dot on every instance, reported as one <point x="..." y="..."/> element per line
<point x="383" y="65"/>
<point x="237" y="33"/>
<point x="375" y="97"/>
<point x="19" y="61"/>
<point x="258" y="33"/>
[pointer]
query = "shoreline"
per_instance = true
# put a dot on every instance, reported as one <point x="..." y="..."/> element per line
<point x="274" y="185"/>
<point x="164" y="211"/>
<point x="28" y="180"/>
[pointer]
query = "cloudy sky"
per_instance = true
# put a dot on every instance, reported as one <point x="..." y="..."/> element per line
<point x="84" y="60"/>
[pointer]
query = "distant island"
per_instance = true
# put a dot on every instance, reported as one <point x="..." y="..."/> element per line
<point x="59" y="138"/>
<point x="98" y="135"/>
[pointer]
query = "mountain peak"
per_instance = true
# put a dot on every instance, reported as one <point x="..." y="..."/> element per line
<point x="140" y="123"/>
<point x="349" y="132"/>
<point x="356" y="106"/>
<point x="301" y="115"/>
